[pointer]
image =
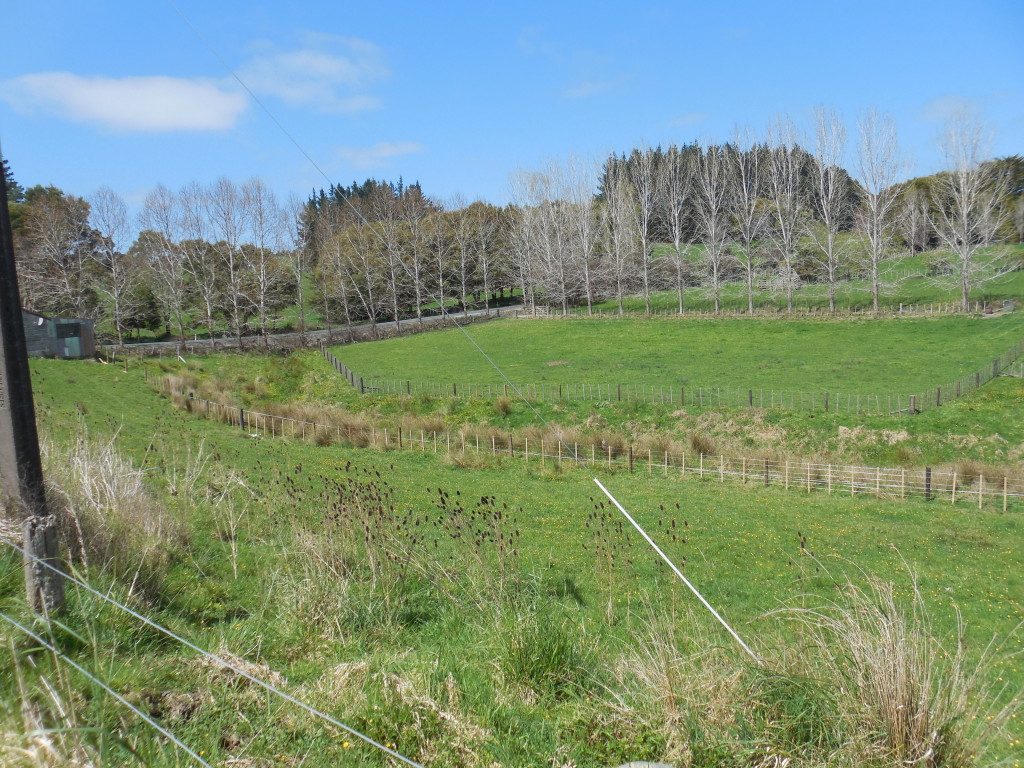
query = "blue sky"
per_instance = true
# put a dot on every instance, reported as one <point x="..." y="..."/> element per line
<point x="461" y="95"/>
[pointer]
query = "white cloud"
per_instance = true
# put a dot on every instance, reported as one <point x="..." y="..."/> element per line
<point x="130" y="104"/>
<point x="689" y="119"/>
<point x="588" y="88"/>
<point x="946" y="107"/>
<point x="329" y="73"/>
<point x="379" y="153"/>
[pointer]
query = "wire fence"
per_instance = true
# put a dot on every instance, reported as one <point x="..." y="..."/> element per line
<point x="964" y="488"/>
<point x="774" y="310"/>
<point x="698" y="397"/>
<point x="218" y="660"/>
<point x="287" y="342"/>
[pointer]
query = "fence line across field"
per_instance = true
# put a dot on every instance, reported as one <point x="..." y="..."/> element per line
<point x="890" y="482"/>
<point x="716" y="397"/>
<point x="774" y="310"/>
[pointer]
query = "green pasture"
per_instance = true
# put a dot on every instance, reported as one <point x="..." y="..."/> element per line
<point x="905" y="280"/>
<point x="877" y="356"/>
<point x="750" y="549"/>
<point x="983" y="427"/>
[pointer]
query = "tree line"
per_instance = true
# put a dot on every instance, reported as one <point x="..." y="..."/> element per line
<point x="771" y="213"/>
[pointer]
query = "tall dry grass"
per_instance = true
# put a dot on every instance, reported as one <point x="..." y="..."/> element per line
<point x="109" y="519"/>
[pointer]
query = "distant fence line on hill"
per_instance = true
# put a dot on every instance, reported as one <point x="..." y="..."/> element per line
<point x="853" y="310"/>
<point x="836" y="402"/>
<point x="287" y="342"/>
<point x="883" y="482"/>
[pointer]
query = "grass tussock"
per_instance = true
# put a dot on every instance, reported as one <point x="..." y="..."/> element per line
<point x="110" y="520"/>
<point x="910" y="698"/>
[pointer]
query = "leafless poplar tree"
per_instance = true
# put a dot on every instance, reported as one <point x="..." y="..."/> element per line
<point x="522" y="242"/>
<point x="266" y="225"/>
<point x="200" y="257"/>
<point x="787" y="203"/>
<point x="416" y="214"/>
<point x="831" y="199"/>
<point x="577" y="183"/>
<point x="749" y="213"/>
<point x="162" y="217"/>
<point x="385" y="222"/>
<point x="618" y="233"/>
<point x="462" y="238"/>
<point x="227" y="217"/>
<point x="712" y="187"/>
<point x="675" y="188"/>
<point x="968" y="212"/>
<point x="877" y="167"/>
<point x="644" y="179"/>
<point x="109" y="217"/>
<point x="914" y="220"/>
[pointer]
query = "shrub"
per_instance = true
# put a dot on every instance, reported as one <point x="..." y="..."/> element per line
<point x="703" y="443"/>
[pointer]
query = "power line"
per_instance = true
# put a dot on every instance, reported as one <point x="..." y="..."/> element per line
<point x="177" y="742"/>
<point x="223" y="662"/>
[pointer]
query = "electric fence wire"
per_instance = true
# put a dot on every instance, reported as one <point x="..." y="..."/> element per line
<point x="146" y="718"/>
<point x="472" y="341"/>
<point x="218" y="660"/>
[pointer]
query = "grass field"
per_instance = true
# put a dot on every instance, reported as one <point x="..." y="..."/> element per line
<point x="388" y="660"/>
<point x="873" y="356"/>
<point x="906" y="280"/>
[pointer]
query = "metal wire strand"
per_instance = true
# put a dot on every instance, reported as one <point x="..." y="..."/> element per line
<point x="223" y="662"/>
<point x="146" y="718"/>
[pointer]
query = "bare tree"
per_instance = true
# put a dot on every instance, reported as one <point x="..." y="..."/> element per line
<point x="57" y="253"/>
<point x="462" y="237"/>
<point x="712" y="186"/>
<point x="297" y="254"/>
<point x="786" y="201"/>
<point x="485" y="241"/>
<point x="878" y="165"/>
<point x="385" y="221"/>
<point x="749" y="213"/>
<point x="360" y="268"/>
<point x="161" y="216"/>
<point x="675" y="187"/>
<point x="831" y="199"/>
<point x="227" y="214"/>
<point x="109" y="217"/>
<point x="544" y="236"/>
<point x="439" y="248"/>
<point x="577" y="184"/>
<point x="968" y="212"/>
<point x="522" y="240"/>
<point x="914" y="220"/>
<point x="266" y="227"/>
<point x="644" y="178"/>
<point x="416" y="214"/>
<point x="618" y="234"/>
<point x="200" y="257"/>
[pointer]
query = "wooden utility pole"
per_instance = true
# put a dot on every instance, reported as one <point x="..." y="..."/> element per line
<point x="21" y="473"/>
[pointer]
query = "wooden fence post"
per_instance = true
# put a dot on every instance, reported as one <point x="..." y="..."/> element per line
<point x="927" y="483"/>
<point x="631" y="459"/>
<point x="44" y="587"/>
